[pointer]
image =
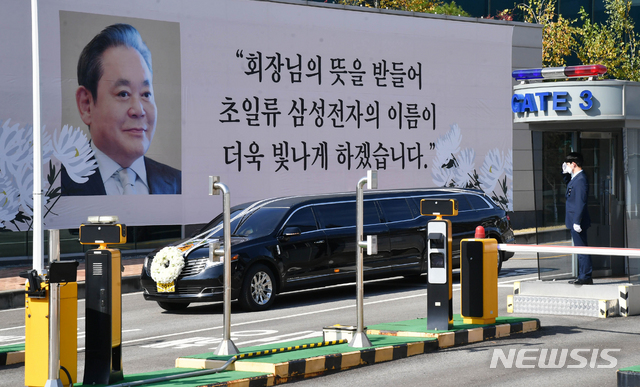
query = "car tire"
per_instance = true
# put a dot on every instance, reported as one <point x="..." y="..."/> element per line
<point x="500" y="260"/>
<point x="173" y="306"/>
<point x="258" y="289"/>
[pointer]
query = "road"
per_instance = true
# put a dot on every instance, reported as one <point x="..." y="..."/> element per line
<point x="153" y="338"/>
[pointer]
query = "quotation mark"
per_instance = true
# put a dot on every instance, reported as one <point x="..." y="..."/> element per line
<point x="239" y="54"/>
<point x="432" y="145"/>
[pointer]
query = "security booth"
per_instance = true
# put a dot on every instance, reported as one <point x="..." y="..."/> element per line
<point x="601" y="120"/>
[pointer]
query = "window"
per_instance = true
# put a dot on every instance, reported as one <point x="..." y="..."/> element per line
<point x="463" y="204"/>
<point x="478" y="203"/>
<point x="395" y="210"/>
<point x="303" y="219"/>
<point x="336" y="215"/>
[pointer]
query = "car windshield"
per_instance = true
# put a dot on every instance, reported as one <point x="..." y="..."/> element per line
<point x="251" y="224"/>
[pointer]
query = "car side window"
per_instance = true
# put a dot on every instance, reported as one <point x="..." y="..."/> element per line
<point x="463" y="203"/>
<point x="478" y="203"/>
<point x="303" y="219"/>
<point x="336" y="215"/>
<point x="395" y="210"/>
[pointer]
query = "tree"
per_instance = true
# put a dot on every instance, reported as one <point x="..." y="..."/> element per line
<point x="425" y="6"/>
<point x="613" y="43"/>
<point x="557" y="32"/>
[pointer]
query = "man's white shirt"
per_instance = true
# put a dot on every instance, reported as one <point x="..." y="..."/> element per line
<point x="109" y="168"/>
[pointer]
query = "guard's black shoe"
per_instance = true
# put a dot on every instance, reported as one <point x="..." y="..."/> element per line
<point x="580" y="281"/>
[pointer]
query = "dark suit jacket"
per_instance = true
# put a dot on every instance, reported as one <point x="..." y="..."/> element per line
<point x="162" y="179"/>
<point x="577" y="194"/>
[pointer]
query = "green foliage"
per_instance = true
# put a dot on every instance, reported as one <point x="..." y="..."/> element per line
<point x="426" y="6"/>
<point x="557" y="33"/>
<point x="450" y="9"/>
<point x="613" y="43"/>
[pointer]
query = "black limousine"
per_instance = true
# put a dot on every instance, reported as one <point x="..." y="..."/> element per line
<point x="300" y="242"/>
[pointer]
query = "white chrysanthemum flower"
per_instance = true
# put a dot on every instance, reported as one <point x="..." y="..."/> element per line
<point x="440" y="175"/>
<point x="508" y="170"/>
<point x="9" y="201"/>
<point x="14" y="148"/>
<point x="167" y="265"/>
<point x="466" y="165"/>
<point x="449" y="143"/>
<point x="46" y="146"/>
<point x="24" y="182"/>
<point x="492" y="169"/>
<point x="508" y="164"/>
<point x="72" y="148"/>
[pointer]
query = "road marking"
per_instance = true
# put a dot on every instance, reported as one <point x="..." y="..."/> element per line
<point x="6" y="329"/>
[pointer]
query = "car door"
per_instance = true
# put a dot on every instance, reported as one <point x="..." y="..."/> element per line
<point x="338" y="221"/>
<point x="302" y="249"/>
<point x="406" y="235"/>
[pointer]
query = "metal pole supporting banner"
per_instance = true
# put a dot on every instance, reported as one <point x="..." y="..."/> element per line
<point x="38" y="234"/>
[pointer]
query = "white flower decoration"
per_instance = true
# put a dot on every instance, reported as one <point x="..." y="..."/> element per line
<point x="24" y="182"/>
<point x="449" y="144"/>
<point x="72" y="148"/>
<point x="15" y="148"/>
<point x="466" y="165"/>
<point x="167" y="265"/>
<point x="444" y="163"/>
<point x="440" y="175"/>
<point x="491" y="170"/>
<point x="508" y="164"/>
<point x="9" y="202"/>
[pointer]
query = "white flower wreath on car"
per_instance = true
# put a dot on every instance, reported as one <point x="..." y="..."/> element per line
<point x="167" y="265"/>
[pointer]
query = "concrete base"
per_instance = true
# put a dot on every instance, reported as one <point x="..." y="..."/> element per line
<point x="339" y="332"/>
<point x="561" y="298"/>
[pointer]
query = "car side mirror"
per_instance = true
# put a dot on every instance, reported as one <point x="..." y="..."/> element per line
<point x="290" y="232"/>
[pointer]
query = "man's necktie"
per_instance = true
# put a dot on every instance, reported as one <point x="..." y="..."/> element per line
<point x="127" y="179"/>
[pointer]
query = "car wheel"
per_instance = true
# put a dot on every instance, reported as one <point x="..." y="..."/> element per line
<point x="258" y="292"/>
<point x="173" y="306"/>
<point x="500" y="260"/>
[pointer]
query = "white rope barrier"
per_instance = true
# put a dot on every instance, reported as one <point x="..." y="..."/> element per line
<point x="620" y="251"/>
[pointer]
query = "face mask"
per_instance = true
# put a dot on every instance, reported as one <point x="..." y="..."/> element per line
<point x="566" y="168"/>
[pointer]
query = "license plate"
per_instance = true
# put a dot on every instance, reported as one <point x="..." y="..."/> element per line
<point x="166" y="288"/>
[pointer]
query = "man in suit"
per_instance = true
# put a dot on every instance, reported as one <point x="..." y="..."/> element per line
<point x="577" y="214"/>
<point x="115" y="100"/>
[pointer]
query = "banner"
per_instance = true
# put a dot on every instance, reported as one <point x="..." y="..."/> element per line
<point x="277" y="99"/>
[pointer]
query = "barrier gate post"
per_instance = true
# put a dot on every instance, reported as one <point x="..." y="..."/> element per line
<point x="439" y="275"/>
<point x="103" y="300"/>
<point x="226" y="346"/>
<point x="51" y="317"/>
<point x="360" y="339"/>
<point x="479" y="279"/>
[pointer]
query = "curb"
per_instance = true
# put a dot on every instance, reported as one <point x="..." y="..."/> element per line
<point x="10" y="299"/>
<point x="278" y="373"/>
<point x="8" y="358"/>
<point x="293" y="370"/>
<point x="468" y="336"/>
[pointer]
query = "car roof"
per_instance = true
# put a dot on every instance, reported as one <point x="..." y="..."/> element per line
<point x="294" y="201"/>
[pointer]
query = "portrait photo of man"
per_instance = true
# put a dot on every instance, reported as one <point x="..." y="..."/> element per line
<point x="115" y="99"/>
